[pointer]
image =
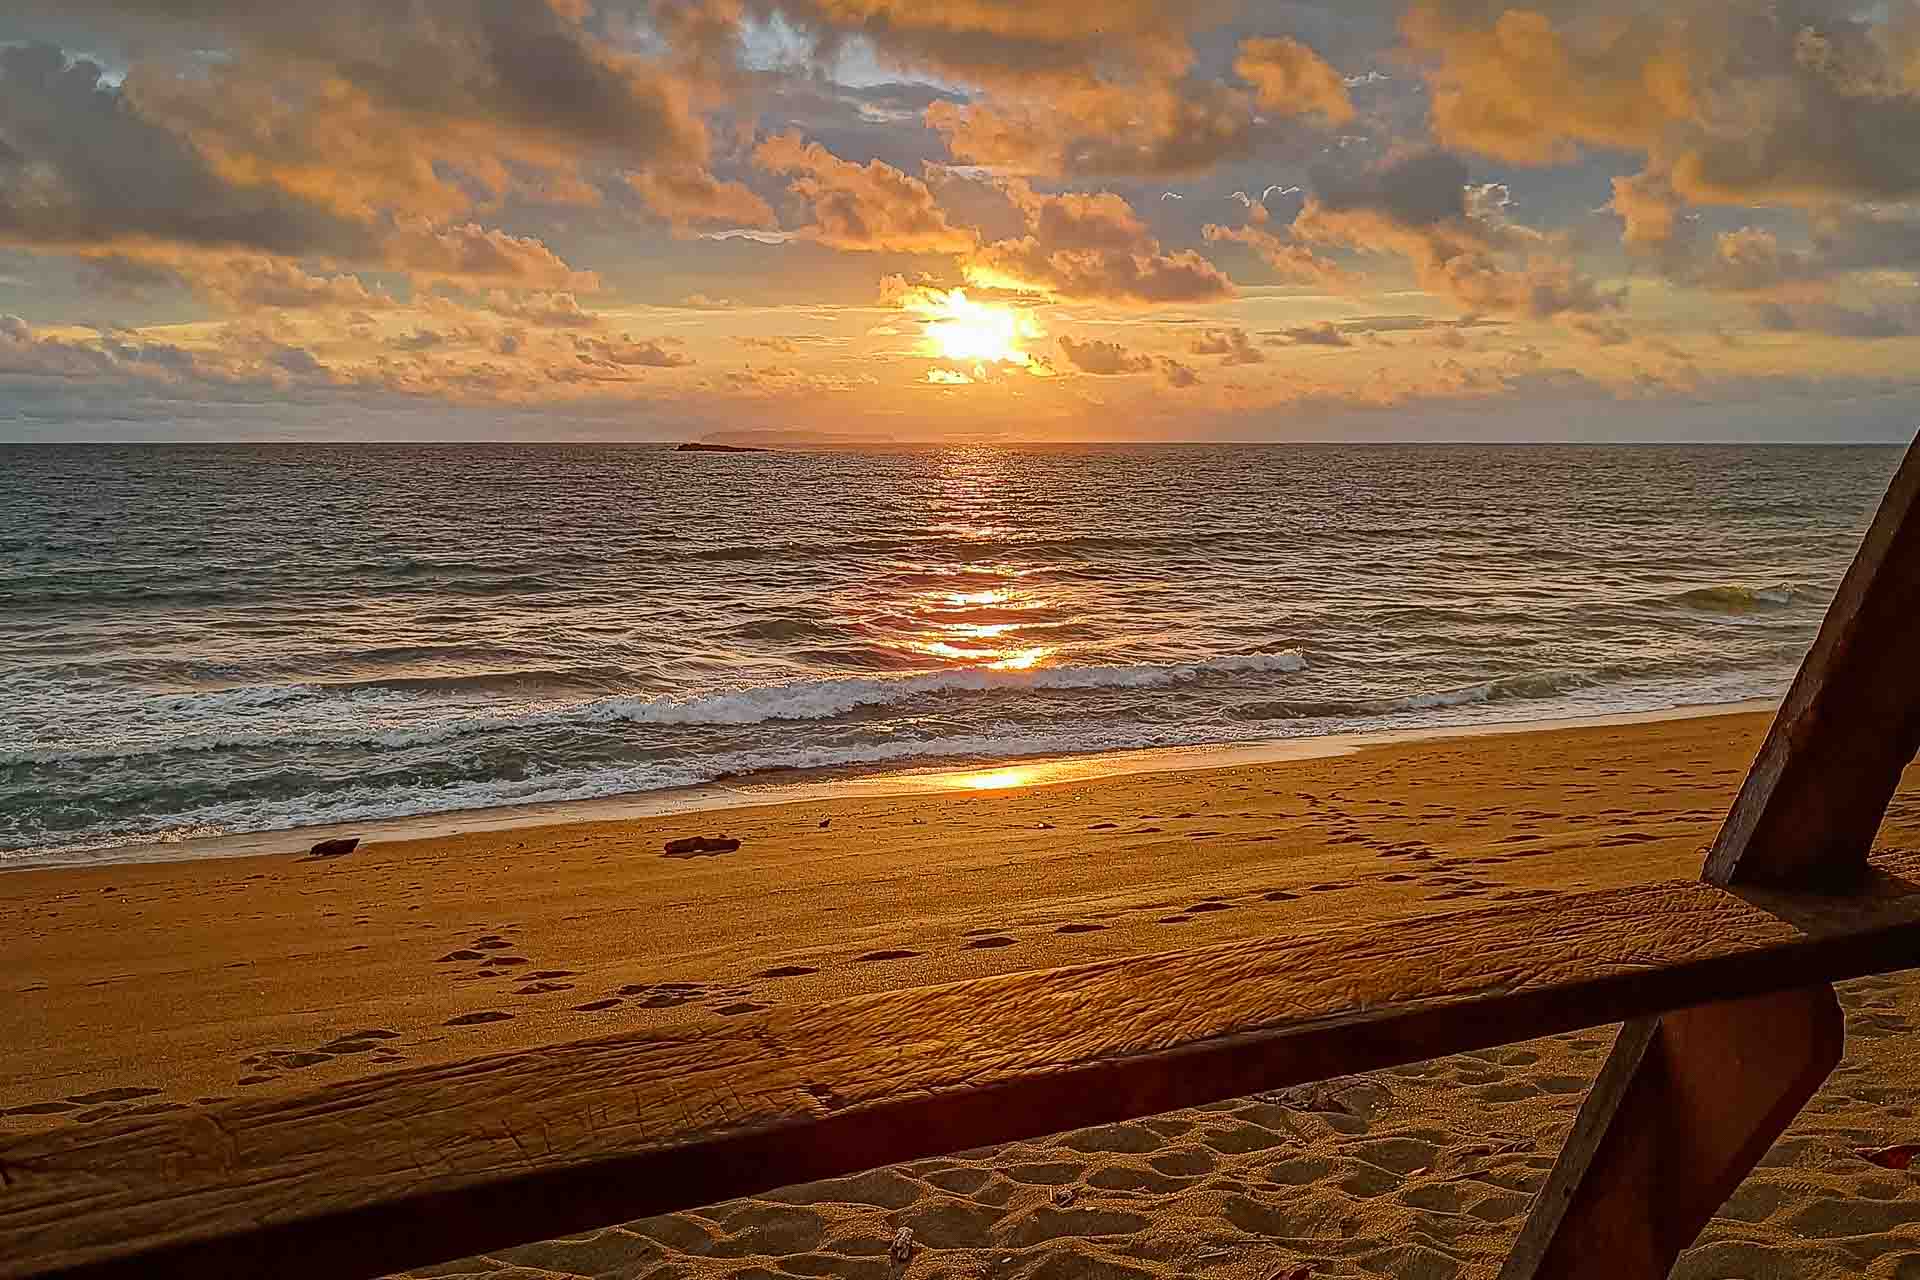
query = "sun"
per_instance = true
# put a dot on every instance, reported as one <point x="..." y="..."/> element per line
<point x="973" y="333"/>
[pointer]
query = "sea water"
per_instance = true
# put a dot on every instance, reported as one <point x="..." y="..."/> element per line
<point x="197" y="640"/>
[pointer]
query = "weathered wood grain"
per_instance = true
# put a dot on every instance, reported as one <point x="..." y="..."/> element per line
<point x="1684" y="1108"/>
<point x="367" y="1177"/>
<point x="1817" y="792"/>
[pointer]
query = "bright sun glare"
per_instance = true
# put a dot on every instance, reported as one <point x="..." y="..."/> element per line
<point x="976" y="333"/>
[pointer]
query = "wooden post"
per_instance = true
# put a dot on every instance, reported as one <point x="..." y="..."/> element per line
<point x="1688" y="1103"/>
<point x="1684" y="1108"/>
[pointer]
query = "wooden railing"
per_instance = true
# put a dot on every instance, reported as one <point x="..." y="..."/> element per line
<point x="371" y="1176"/>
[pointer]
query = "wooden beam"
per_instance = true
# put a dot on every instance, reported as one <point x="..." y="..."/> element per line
<point x="1684" y="1108"/>
<point x="371" y="1176"/>
<point x="1817" y="792"/>
<point x="1688" y="1103"/>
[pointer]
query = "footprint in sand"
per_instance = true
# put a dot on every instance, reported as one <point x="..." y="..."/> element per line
<point x="1199" y="907"/>
<point x="452" y="956"/>
<point x="358" y="1041"/>
<point x="787" y="971"/>
<point x="735" y="1010"/>
<point x="542" y="988"/>
<point x="1279" y="895"/>
<point x="475" y="1019"/>
<point x="111" y="1095"/>
<point x="1080" y="928"/>
<point x="981" y="944"/>
<point x="283" y="1060"/>
<point x="666" y="999"/>
<point x="889" y="955"/>
<point x="1174" y="920"/>
<point x="664" y="995"/>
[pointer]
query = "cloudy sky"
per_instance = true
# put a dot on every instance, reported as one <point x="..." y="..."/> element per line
<point x="959" y="219"/>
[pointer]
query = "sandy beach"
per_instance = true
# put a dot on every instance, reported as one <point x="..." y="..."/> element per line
<point x="139" y="987"/>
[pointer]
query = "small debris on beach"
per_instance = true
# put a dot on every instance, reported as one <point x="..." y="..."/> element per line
<point x="338" y="848"/>
<point x="701" y="846"/>
<point x="825" y="823"/>
<point x="902" y="1250"/>
<point x="1900" y="1157"/>
<point x="1064" y="1196"/>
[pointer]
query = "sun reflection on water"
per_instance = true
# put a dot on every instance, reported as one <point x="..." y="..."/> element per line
<point x="969" y="611"/>
<point x="996" y="779"/>
<point x="989" y="628"/>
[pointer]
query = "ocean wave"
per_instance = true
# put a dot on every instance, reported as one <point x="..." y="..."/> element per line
<point x="518" y="680"/>
<point x="1738" y="599"/>
<point x="369" y="802"/>
<point x="1514" y="688"/>
<point x="795" y="701"/>
<point x="376" y="799"/>
<point x="779" y="629"/>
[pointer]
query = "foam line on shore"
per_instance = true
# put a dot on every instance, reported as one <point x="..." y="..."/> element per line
<point x="800" y="786"/>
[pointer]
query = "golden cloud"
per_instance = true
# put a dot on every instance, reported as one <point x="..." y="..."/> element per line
<point x="1292" y="79"/>
<point x="870" y="207"/>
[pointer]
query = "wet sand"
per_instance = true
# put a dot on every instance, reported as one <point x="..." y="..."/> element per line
<point x="139" y="987"/>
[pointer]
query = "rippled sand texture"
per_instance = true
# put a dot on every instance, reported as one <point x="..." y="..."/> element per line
<point x="1422" y="1173"/>
<point x="131" y="989"/>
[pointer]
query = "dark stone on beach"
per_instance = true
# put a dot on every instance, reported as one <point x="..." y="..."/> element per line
<point x="335" y="848"/>
<point x="701" y="846"/>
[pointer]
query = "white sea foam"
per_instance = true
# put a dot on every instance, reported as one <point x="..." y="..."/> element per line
<point x="373" y="803"/>
<point x="369" y="803"/>
<point x="178" y="723"/>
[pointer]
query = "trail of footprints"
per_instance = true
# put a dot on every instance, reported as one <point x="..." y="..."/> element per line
<point x="1444" y="876"/>
<point x="494" y="957"/>
<point x="267" y="1066"/>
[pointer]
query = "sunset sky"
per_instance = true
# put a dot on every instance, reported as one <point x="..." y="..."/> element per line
<point x="856" y="220"/>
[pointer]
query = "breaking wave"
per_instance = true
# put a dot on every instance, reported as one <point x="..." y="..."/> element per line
<point x="799" y="700"/>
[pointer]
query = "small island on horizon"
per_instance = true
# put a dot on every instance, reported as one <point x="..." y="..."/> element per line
<point x="694" y="446"/>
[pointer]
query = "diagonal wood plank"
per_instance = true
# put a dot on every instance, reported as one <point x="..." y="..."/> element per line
<point x="1850" y="724"/>
<point x="371" y="1176"/>
<point x="1806" y="815"/>
<point x="1684" y="1107"/>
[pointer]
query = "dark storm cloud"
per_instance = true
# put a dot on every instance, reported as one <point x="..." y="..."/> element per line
<point x="93" y="171"/>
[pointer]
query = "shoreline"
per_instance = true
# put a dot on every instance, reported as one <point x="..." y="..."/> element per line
<point x="136" y="990"/>
<point x="794" y="786"/>
<point x="165" y="984"/>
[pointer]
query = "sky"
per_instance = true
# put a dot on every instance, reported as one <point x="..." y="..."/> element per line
<point x="821" y="222"/>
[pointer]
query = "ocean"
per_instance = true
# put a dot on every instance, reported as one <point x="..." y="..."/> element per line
<point x="206" y="640"/>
